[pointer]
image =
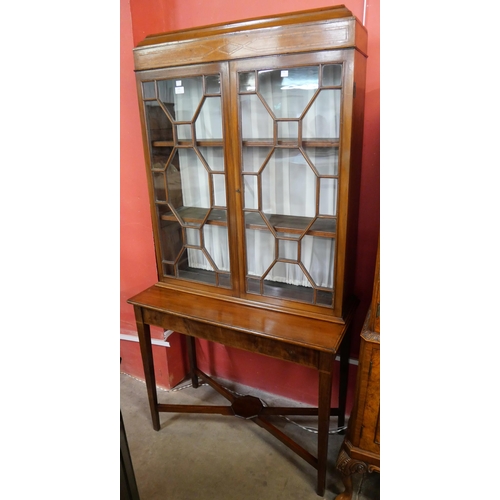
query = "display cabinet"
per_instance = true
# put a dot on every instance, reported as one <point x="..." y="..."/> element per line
<point x="252" y="136"/>
<point x="360" y="451"/>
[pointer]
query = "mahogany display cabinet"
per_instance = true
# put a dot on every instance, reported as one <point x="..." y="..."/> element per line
<point x="252" y="137"/>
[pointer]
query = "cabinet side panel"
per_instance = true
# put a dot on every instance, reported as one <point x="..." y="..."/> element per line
<point x="355" y="173"/>
<point x="356" y="418"/>
<point x="370" y="436"/>
<point x="147" y="161"/>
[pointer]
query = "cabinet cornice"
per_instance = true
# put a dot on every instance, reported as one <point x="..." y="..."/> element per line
<point x="322" y="29"/>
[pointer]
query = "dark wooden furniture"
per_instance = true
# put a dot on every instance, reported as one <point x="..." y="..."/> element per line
<point x="128" y="485"/>
<point x="252" y="137"/>
<point x="305" y="341"/>
<point x="360" y="451"/>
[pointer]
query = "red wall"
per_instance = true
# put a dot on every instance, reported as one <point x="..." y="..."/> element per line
<point x="143" y="17"/>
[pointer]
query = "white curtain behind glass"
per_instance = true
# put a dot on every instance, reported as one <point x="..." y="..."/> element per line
<point x="194" y="177"/>
<point x="288" y="184"/>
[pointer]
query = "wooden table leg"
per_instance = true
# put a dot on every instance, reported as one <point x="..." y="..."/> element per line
<point x="324" y="404"/>
<point x="191" y="347"/>
<point x="343" y="377"/>
<point x="144" y="333"/>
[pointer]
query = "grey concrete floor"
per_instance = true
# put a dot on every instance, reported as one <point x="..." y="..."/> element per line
<point x="224" y="458"/>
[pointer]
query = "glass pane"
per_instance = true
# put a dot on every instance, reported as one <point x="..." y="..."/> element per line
<point x="218" y="215"/>
<point x="174" y="183"/>
<point x="163" y="210"/>
<point x="184" y="133"/>
<point x="283" y="272"/>
<point x="212" y="84"/>
<point x="322" y="120"/>
<point x="214" y="156"/>
<point x="332" y="75"/>
<point x="159" y="157"/>
<point x="288" y="249"/>
<point x="159" y="125"/>
<point x="219" y="190"/>
<point x="195" y="266"/>
<point x="254" y="220"/>
<point x="181" y="97"/>
<point x="253" y="285"/>
<point x="171" y="244"/>
<point x="326" y="160"/>
<point x="288" y="281"/>
<point x="209" y="121"/>
<point x="224" y="280"/>
<point x="193" y="237"/>
<point x="159" y="186"/>
<point x="160" y="134"/>
<point x="250" y="192"/>
<point x="254" y="157"/>
<point x="260" y="248"/>
<point x="256" y="122"/>
<point x="194" y="180"/>
<point x="295" y="226"/>
<point x="198" y="260"/>
<point x="288" y="92"/>
<point x="288" y="131"/>
<point x="328" y="197"/>
<point x="317" y="256"/>
<point x="217" y="245"/>
<point x="325" y="226"/>
<point x="324" y="298"/>
<point x="148" y="90"/>
<point x="247" y="82"/>
<point x="168" y="269"/>
<point x="288" y="185"/>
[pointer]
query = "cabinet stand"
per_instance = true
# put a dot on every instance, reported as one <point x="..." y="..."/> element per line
<point x="309" y="342"/>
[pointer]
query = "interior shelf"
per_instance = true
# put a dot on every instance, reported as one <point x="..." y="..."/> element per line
<point x="202" y="143"/>
<point x="325" y="227"/>
<point x="319" y="142"/>
<point x="196" y="215"/>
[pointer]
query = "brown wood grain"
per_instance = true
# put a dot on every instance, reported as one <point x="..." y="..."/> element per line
<point x="360" y="451"/>
<point x="204" y="317"/>
<point x="304" y="325"/>
<point x="315" y="29"/>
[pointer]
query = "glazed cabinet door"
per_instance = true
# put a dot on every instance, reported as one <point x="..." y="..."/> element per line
<point x="290" y="111"/>
<point x="184" y="127"/>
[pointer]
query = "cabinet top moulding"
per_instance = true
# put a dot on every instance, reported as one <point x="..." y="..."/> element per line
<point x="304" y="31"/>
